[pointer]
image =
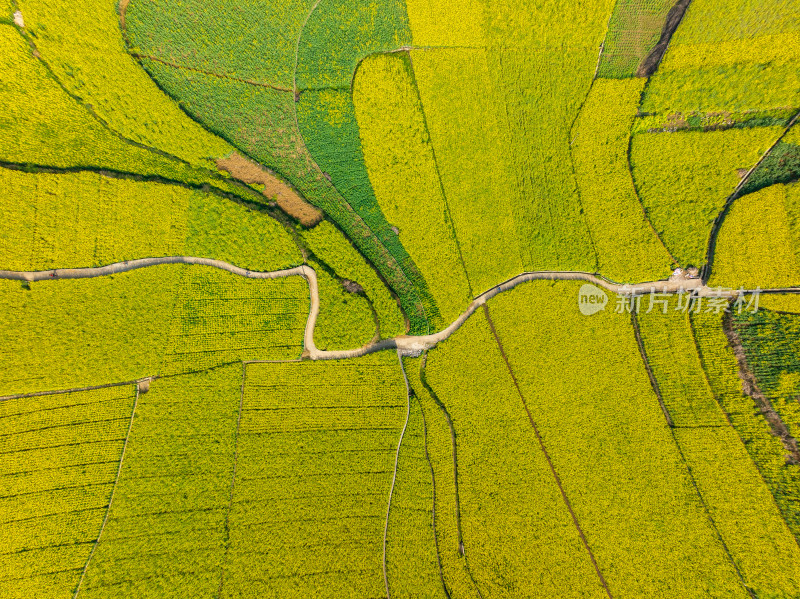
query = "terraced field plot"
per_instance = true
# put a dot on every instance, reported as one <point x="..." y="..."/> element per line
<point x="452" y="299"/>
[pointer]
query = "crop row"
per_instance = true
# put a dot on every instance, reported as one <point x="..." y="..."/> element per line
<point x="403" y="172"/>
<point x="627" y="247"/>
<point x="764" y="448"/>
<point x="175" y="505"/>
<point x="56" y="476"/>
<point x="701" y="169"/>
<point x="620" y="469"/>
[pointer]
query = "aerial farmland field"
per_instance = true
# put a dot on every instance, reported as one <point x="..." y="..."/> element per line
<point x="399" y="299"/>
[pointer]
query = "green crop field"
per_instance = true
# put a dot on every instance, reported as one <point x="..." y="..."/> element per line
<point x="600" y="153"/>
<point x="407" y="168"/>
<point x="400" y="299"/>
<point x="704" y="168"/>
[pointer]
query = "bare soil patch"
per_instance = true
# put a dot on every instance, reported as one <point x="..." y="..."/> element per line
<point x="649" y="65"/>
<point x="287" y="199"/>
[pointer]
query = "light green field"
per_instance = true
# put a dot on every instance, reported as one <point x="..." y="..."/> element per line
<point x="627" y="246"/>
<point x="220" y="318"/>
<point x="404" y="173"/>
<point x="685" y="178"/>
<point x="620" y="467"/>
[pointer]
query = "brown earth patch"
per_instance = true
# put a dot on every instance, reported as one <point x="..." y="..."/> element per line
<point x="122" y="8"/>
<point x="650" y="63"/>
<point x="287" y="199"/>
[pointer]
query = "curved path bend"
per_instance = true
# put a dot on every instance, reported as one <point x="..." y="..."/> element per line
<point x="405" y="344"/>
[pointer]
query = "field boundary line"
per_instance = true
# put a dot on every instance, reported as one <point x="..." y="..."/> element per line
<point x="78" y="389"/>
<point x="716" y="227"/>
<point x="233" y="483"/>
<point x="454" y="450"/>
<point x="174" y="65"/>
<point x="555" y="474"/>
<point x="637" y="331"/>
<point x="418" y="97"/>
<point x="111" y="498"/>
<point x="433" y="503"/>
<point x="394" y="475"/>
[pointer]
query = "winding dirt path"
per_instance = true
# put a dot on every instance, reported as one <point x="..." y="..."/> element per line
<point x="405" y="344"/>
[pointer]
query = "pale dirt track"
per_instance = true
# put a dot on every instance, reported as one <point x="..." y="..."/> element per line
<point x="405" y="344"/>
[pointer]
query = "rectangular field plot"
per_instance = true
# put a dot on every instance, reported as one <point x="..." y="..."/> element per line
<point x="587" y="390"/>
<point x="669" y="344"/>
<point x="519" y="538"/>
<point x="220" y="318"/>
<point x="73" y="333"/>
<point x="59" y="457"/>
<point x="316" y="453"/>
<point x="166" y="527"/>
<point x="633" y="31"/>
